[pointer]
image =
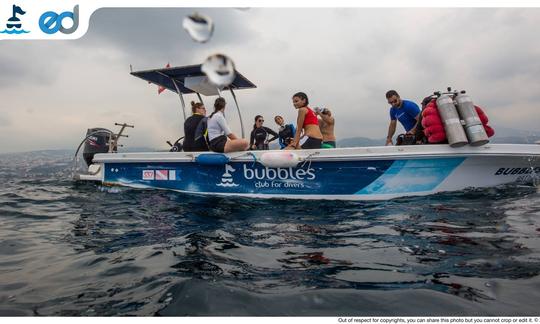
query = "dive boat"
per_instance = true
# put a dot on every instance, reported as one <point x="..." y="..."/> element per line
<point x="363" y="173"/>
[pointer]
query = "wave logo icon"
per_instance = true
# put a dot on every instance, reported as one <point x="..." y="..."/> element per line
<point x="14" y="25"/>
<point x="226" y="178"/>
<point x="50" y="22"/>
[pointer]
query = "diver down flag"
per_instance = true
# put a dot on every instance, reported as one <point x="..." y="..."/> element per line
<point x="160" y="88"/>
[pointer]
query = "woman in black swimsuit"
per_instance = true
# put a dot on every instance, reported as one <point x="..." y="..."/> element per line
<point x="259" y="135"/>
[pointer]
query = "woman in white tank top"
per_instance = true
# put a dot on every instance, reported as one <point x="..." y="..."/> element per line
<point x="221" y="138"/>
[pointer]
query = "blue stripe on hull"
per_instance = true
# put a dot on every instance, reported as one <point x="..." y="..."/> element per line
<point x="405" y="176"/>
<point x="316" y="178"/>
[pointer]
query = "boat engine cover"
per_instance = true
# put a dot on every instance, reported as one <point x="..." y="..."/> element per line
<point x="96" y="143"/>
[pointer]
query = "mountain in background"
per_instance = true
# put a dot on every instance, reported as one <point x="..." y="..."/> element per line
<point x="360" y="142"/>
<point x="502" y="136"/>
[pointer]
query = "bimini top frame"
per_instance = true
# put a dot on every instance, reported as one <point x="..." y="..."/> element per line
<point x="174" y="79"/>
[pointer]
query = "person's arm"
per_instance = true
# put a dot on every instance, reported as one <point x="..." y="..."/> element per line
<point x="391" y="131"/>
<point x="413" y="130"/>
<point x="412" y="109"/>
<point x="252" y="139"/>
<point x="299" y="121"/>
<point x="273" y="133"/>
<point x="327" y="118"/>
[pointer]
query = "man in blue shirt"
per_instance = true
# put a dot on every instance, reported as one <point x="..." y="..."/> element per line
<point x="407" y="112"/>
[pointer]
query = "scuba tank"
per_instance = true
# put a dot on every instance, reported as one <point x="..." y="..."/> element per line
<point x="450" y="118"/>
<point x="473" y="125"/>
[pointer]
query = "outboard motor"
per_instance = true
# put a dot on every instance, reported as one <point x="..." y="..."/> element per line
<point x="473" y="125"/>
<point x="97" y="141"/>
<point x="452" y="123"/>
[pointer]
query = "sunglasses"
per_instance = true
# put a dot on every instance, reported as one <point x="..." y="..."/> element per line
<point x="260" y="121"/>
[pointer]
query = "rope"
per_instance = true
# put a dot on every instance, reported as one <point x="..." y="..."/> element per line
<point x="308" y="159"/>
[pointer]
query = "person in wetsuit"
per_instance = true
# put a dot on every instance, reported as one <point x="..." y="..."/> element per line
<point x="259" y="135"/>
<point x="190" y="127"/>
<point x="307" y="121"/>
<point x="286" y="132"/>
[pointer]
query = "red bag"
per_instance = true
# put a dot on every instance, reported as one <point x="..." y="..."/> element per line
<point x="482" y="115"/>
<point x="431" y="120"/>
<point x="437" y="137"/>
<point x="489" y="131"/>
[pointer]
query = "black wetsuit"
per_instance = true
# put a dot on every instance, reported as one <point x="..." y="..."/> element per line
<point x="190" y="126"/>
<point x="286" y="135"/>
<point x="259" y="137"/>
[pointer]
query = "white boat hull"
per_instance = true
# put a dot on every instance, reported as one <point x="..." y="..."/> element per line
<point x="371" y="173"/>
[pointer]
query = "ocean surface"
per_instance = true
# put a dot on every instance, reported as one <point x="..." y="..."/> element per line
<point x="68" y="248"/>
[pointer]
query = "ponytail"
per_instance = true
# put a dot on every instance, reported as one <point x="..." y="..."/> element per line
<point x="219" y="104"/>
<point x="302" y="96"/>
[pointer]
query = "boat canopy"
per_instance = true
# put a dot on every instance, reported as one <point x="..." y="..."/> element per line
<point x="190" y="79"/>
<point x="167" y="77"/>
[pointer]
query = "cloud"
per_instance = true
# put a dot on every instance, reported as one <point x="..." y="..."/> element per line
<point x="345" y="59"/>
<point x="4" y="121"/>
<point x="158" y="33"/>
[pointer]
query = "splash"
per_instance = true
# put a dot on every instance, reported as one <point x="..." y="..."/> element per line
<point x="219" y="69"/>
<point x="199" y="27"/>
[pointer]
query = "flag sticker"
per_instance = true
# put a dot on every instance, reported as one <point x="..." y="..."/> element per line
<point x="172" y="174"/>
<point x="148" y="175"/>
<point x="162" y="174"/>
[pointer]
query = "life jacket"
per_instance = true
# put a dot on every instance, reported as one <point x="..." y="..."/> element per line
<point x="201" y="134"/>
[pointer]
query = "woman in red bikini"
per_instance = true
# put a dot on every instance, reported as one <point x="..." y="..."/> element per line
<point x="307" y="121"/>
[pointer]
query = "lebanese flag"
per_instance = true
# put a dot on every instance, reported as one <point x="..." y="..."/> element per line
<point x="160" y="88"/>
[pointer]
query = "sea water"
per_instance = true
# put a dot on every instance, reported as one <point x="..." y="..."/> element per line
<point x="68" y="248"/>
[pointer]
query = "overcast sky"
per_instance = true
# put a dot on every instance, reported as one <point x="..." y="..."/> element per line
<point x="344" y="59"/>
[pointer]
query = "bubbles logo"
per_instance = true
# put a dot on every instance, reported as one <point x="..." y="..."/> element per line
<point x="50" y="22"/>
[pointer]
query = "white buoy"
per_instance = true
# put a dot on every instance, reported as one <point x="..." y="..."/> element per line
<point x="281" y="159"/>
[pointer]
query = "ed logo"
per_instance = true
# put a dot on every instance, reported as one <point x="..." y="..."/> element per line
<point x="51" y="22"/>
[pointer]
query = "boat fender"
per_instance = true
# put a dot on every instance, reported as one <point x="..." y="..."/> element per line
<point x="212" y="159"/>
<point x="281" y="159"/>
